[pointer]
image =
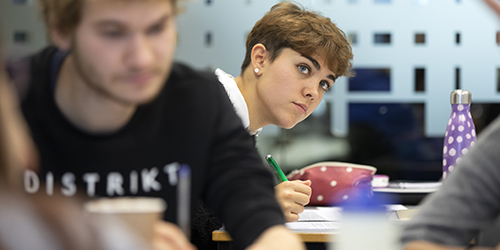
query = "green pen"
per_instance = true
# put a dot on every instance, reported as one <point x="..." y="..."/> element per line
<point x="276" y="168"/>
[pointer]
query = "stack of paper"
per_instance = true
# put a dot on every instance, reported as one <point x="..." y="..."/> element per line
<point x="328" y="218"/>
<point x="317" y="218"/>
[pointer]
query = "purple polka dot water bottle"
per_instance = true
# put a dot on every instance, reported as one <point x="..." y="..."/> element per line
<point x="460" y="133"/>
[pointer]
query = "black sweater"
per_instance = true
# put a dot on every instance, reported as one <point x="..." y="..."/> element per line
<point x="191" y="122"/>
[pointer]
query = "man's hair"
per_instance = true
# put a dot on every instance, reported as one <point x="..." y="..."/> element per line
<point x="288" y="25"/>
<point x="64" y="15"/>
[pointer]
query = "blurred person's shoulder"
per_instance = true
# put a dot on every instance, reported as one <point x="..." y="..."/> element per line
<point x="194" y="85"/>
<point x="42" y="57"/>
<point x="182" y="73"/>
<point x="22" y="69"/>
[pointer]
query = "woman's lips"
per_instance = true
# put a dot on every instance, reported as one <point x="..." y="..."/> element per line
<point x="302" y="107"/>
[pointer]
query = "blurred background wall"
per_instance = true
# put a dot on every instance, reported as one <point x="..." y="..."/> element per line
<point x="408" y="55"/>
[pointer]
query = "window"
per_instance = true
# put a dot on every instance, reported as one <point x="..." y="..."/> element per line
<point x="498" y="79"/>
<point x="370" y="79"/>
<point x="392" y="134"/>
<point x="419" y="79"/>
<point x="484" y="113"/>
<point x="21" y="37"/>
<point x="382" y="38"/>
<point x="208" y="38"/>
<point x="420" y="38"/>
<point x="353" y="38"/>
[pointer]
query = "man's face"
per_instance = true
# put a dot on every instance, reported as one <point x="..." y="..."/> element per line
<point x="123" y="50"/>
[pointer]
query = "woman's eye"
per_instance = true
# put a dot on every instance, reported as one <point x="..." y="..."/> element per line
<point x="304" y="69"/>
<point x="325" y="85"/>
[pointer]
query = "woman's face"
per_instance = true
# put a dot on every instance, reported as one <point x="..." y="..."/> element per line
<point x="16" y="146"/>
<point x="291" y="87"/>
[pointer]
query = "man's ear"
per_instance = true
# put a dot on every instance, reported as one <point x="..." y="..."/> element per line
<point x="61" y="39"/>
<point x="259" y="57"/>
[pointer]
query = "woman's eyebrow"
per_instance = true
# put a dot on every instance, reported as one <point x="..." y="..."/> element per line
<point x="313" y="61"/>
<point x="318" y="67"/>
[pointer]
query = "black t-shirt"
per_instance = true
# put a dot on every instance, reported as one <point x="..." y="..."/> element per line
<point x="191" y="122"/>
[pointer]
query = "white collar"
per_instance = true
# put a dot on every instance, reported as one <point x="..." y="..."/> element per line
<point x="234" y="93"/>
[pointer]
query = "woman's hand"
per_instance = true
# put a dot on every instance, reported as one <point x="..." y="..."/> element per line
<point x="292" y="197"/>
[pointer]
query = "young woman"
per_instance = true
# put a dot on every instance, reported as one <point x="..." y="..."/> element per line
<point x="293" y="56"/>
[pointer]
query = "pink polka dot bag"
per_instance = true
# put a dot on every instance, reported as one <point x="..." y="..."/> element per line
<point x="333" y="183"/>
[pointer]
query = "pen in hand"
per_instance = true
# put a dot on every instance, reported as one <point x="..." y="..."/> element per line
<point x="276" y="168"/>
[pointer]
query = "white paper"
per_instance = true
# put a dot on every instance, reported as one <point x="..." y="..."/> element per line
<point x="321" y="214"/>
<point x="309" y="225"/>
<point x="395" y="207"/>
<point x="414" y="185"/>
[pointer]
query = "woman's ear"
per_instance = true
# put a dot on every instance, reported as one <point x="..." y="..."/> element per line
<point x="259" y="57"/>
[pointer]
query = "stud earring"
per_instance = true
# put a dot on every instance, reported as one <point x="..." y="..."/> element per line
<point x="256" y="70"/>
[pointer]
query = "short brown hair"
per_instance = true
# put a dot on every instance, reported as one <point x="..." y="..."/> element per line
<point x="65" y="15"/>
<point x="288" y="25"/>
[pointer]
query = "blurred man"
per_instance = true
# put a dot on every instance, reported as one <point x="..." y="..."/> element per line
<point x="113" y="115"/>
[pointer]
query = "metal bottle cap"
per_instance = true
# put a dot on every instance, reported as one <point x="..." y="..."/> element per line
<point x="460" y="96"/>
